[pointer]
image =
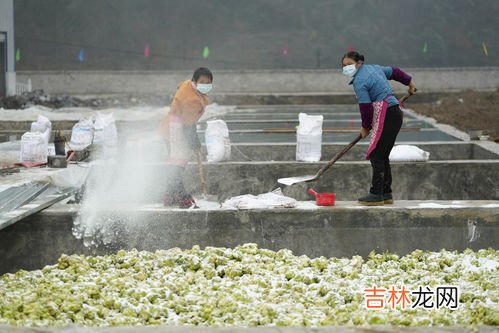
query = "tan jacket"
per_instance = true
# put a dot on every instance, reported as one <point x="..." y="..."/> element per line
<point x="188" y="104"/>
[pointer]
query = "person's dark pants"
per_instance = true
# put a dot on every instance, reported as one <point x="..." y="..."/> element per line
<point x="175" y="183"/>
<point x="174" y="180"/>
<point x="382" y="173"/>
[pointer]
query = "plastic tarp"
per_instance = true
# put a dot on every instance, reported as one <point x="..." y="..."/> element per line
<point x="408" y="153"/>
<point x="274" y="199"/>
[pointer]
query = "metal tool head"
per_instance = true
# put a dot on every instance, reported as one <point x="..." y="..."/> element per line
<point x="294" y="180"/>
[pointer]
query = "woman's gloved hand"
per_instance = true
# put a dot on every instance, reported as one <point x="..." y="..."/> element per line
<point x="364" y="132"/>
<point x="412" y="88"/>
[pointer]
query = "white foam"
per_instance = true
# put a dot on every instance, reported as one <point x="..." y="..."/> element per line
<point x="490" y="206"/>
<point x="437" y="205"/>
<point x="479" y="264"/>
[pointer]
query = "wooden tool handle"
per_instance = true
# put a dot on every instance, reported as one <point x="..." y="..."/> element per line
<point x="201" y="172"/>
<point x="406" y="97"/>
<point x="347" y="148"/>
<point x="339" y="155"/>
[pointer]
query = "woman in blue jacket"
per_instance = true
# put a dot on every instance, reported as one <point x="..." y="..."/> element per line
<point x="381" y="116"/>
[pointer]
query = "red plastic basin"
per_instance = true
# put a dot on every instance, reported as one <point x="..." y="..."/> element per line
<point x="323" y="199"/>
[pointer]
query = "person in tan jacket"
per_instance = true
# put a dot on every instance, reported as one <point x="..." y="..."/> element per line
<point x="178" y="128"/>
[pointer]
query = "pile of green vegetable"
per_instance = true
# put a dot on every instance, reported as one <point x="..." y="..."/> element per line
<point x="245" y="286"/>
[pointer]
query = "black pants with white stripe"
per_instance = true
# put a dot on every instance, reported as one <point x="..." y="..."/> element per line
<point x="382" y="173"/>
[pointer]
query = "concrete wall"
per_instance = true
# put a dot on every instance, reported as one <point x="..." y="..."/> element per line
<point x="438" y="151"/>
<point x="40" y="239"/>
<point x="249" y="81"/>
<point x="434" y="180"/>
<point x="7" y="26"/>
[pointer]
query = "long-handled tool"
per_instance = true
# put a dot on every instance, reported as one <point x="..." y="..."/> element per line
<point x="404" y="98"/>
<point x="209" y="200"/>
<point x="310" y="178"/>
<point x="201" y="174"/>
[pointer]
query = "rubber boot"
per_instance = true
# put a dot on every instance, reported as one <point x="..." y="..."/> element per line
<point x="387" y="199"/>
<point x="387" y="188"/>
<point x="375" y="196"/>
<point x="187" y="201"/>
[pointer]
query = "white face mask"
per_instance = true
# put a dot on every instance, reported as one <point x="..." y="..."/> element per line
<point x="204" y="88"/>
<point x="349" y="70"/>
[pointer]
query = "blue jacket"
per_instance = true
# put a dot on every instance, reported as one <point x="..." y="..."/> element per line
<point x="371" y="84"/>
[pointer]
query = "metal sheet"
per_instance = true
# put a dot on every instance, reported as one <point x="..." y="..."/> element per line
<point x="16" y="196"/>
<point x="47" y="199"/>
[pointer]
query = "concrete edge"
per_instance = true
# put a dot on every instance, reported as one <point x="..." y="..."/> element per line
<point x="309" y="206"/>
<point x="489" y="146"/>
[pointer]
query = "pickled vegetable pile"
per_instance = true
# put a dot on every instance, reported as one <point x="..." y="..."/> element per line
<point x="246" y="286"/>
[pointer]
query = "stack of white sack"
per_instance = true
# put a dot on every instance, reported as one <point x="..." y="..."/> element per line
<point x="408" y="153"/>
<point x="274" y="199"/>
<point x="105" y="133"/>
<point x="101" y="132"/>
<point x="309" y="138"/>
<point x="35" y="143"/>
<point x="82" y="134"/>
<point x="217" y="141"/>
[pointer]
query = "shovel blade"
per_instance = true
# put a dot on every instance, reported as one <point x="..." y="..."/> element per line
<point x="294" y="180"/>
<point x="207" y="203"/>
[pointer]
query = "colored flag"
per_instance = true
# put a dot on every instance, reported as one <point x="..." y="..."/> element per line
<point x="81" y="55"/>
<point x="350" y="48"/>
<point x="147" y="52"/>
<point x="18" y="55"/>
<point x="425" y="47"/>
<point x="485" y="51"/>
<point x="206" y="52"/>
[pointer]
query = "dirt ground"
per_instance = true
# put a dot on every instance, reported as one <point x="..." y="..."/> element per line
<point x="469" y="110"/>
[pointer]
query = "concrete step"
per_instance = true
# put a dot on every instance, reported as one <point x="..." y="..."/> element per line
<point x="279" y="115"/>
<point x="343" y="230"/>
<point x="265" y="134"/>
<point x="457" y="150"/>
<point x="306" y="98"/>
<point x="246" y="152"/>
<point x="433" y="180"/>
<point x="426" y="134"/>
<point x="292" y="124"/>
